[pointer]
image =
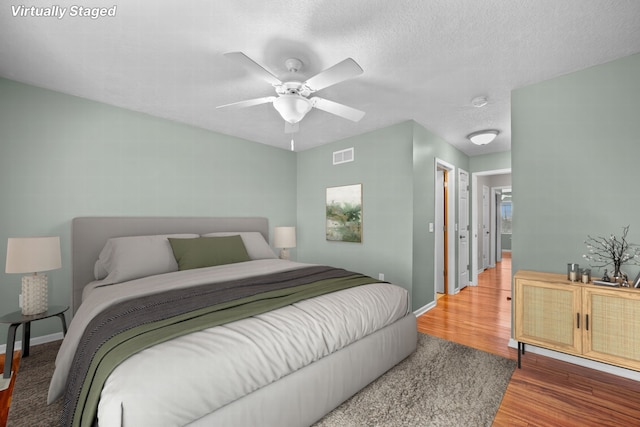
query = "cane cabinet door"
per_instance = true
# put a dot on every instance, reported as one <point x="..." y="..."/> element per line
<point x="611" y="330"/>
<point x="548" y="312"/>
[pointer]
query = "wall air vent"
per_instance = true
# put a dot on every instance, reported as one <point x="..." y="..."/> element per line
<point x="343" y="156"/>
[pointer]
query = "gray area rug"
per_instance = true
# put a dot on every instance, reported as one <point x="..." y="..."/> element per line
<point x="441" y="384"/>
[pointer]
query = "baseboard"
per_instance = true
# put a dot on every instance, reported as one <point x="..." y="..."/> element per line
<point x="422" y="310"/>
<point x="34" y="341"/>
<point x="580" y="361"/>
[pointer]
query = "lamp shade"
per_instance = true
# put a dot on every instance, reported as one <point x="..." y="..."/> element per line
<point x="292" y="108"/>
<point x="284" y="237"/>
<point x="483" y="137"/>
<point x="33" y="254"/>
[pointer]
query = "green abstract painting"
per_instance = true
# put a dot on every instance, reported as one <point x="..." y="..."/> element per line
<point x="344" y="213"/>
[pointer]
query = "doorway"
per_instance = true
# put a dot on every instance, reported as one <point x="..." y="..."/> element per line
<point x="501" y="211"/>
<point x="484" y="224"/>
<point x="441" y="282"/>
<point x="444" y="233"/>
<point x="463" y="228"/>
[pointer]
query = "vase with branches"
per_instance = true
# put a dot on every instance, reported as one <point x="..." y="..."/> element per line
<point x="612" y="251"/>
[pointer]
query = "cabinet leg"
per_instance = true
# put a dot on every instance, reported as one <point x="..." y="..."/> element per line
<point x="520" y="353"/>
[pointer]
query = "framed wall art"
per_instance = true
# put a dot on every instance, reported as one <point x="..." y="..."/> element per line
<point x="344" y="213"/>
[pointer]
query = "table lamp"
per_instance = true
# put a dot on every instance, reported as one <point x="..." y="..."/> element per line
<point x="33" y="255"/>
<point x="284" y="238"/>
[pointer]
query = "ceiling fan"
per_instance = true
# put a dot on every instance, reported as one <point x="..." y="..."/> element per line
<point x="292" y="100"/>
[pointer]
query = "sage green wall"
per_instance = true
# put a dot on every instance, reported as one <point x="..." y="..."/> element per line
<point x="575" y="152"/>
<point x="63" y="156"/>
<point x="490" y="162"/>
<point x="396" y="166"/>
<point x="427" y="147"/>
<point x="383" y="166"/>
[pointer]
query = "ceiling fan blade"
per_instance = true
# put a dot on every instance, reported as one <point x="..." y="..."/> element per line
<point x="291" y="127"/>
<point x="337" y="109"/>
<point x="254" y="67"/>
<point x="248" y="103"/>
<point x="340" y="72"/>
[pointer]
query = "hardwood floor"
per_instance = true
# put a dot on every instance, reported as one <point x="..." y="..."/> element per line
<point x="545" y="392"/>
<point x="5" y="395"/>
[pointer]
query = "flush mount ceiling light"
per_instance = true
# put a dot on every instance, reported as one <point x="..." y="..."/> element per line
<point x="479" y="101"/>
<point x="483" y="137"/>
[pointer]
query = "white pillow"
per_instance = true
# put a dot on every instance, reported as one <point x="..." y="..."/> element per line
<point x="128" y="258"/>
<point x="254" y="243"/>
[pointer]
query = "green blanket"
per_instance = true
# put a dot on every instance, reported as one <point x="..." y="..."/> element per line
<point x="126" y="329"/>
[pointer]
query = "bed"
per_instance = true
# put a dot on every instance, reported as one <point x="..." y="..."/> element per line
<point x="245" y="340"/>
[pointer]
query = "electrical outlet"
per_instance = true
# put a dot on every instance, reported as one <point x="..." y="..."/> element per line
<point x="20" y="301"/>
<point x="380" y="276"/>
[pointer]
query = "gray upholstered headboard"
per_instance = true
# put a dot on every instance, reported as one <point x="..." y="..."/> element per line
<point x="89" y="235"/>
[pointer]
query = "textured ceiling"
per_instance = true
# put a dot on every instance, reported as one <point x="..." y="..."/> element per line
<point x="422" y="59"/>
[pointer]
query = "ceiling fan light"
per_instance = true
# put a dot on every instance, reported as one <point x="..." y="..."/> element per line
<point x="483" y="137"/>
<point x="292" y="108"/>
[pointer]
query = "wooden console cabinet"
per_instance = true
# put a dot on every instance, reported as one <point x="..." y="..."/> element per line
<point x="595" y="322"/>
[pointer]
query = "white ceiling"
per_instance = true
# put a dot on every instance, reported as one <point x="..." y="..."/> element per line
<point x="422" y="59"/>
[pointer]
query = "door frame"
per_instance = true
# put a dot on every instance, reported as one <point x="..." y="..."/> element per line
<point x="473" y="279"/>
<point x="494" y="254"/>
<point x="450" y="195"/>
<point x="440" y="219"/>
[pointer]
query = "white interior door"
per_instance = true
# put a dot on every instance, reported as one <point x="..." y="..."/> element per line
<point x="486" y="226"/>
<point x="463" y="228"/>
<point x="439" y="232"/>
<point x="498" y="226"/>
<point x="493" y="215"/>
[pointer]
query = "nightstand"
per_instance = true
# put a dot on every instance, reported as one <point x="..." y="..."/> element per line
<point x="16" y="319"/>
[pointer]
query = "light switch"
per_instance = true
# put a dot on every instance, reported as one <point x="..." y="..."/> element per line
<point x="430" y="227"/>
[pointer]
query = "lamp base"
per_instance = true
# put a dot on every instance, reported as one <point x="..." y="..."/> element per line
<point x="284" y="253"/>
<point x="35" y="299"/>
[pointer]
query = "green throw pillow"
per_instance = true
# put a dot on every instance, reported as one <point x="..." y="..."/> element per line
<point x="203" y="252"/>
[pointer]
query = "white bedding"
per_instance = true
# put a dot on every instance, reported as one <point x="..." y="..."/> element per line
<point x="201" y="372"/>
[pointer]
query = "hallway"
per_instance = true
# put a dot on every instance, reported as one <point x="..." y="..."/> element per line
<point x="479" y="316"/>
